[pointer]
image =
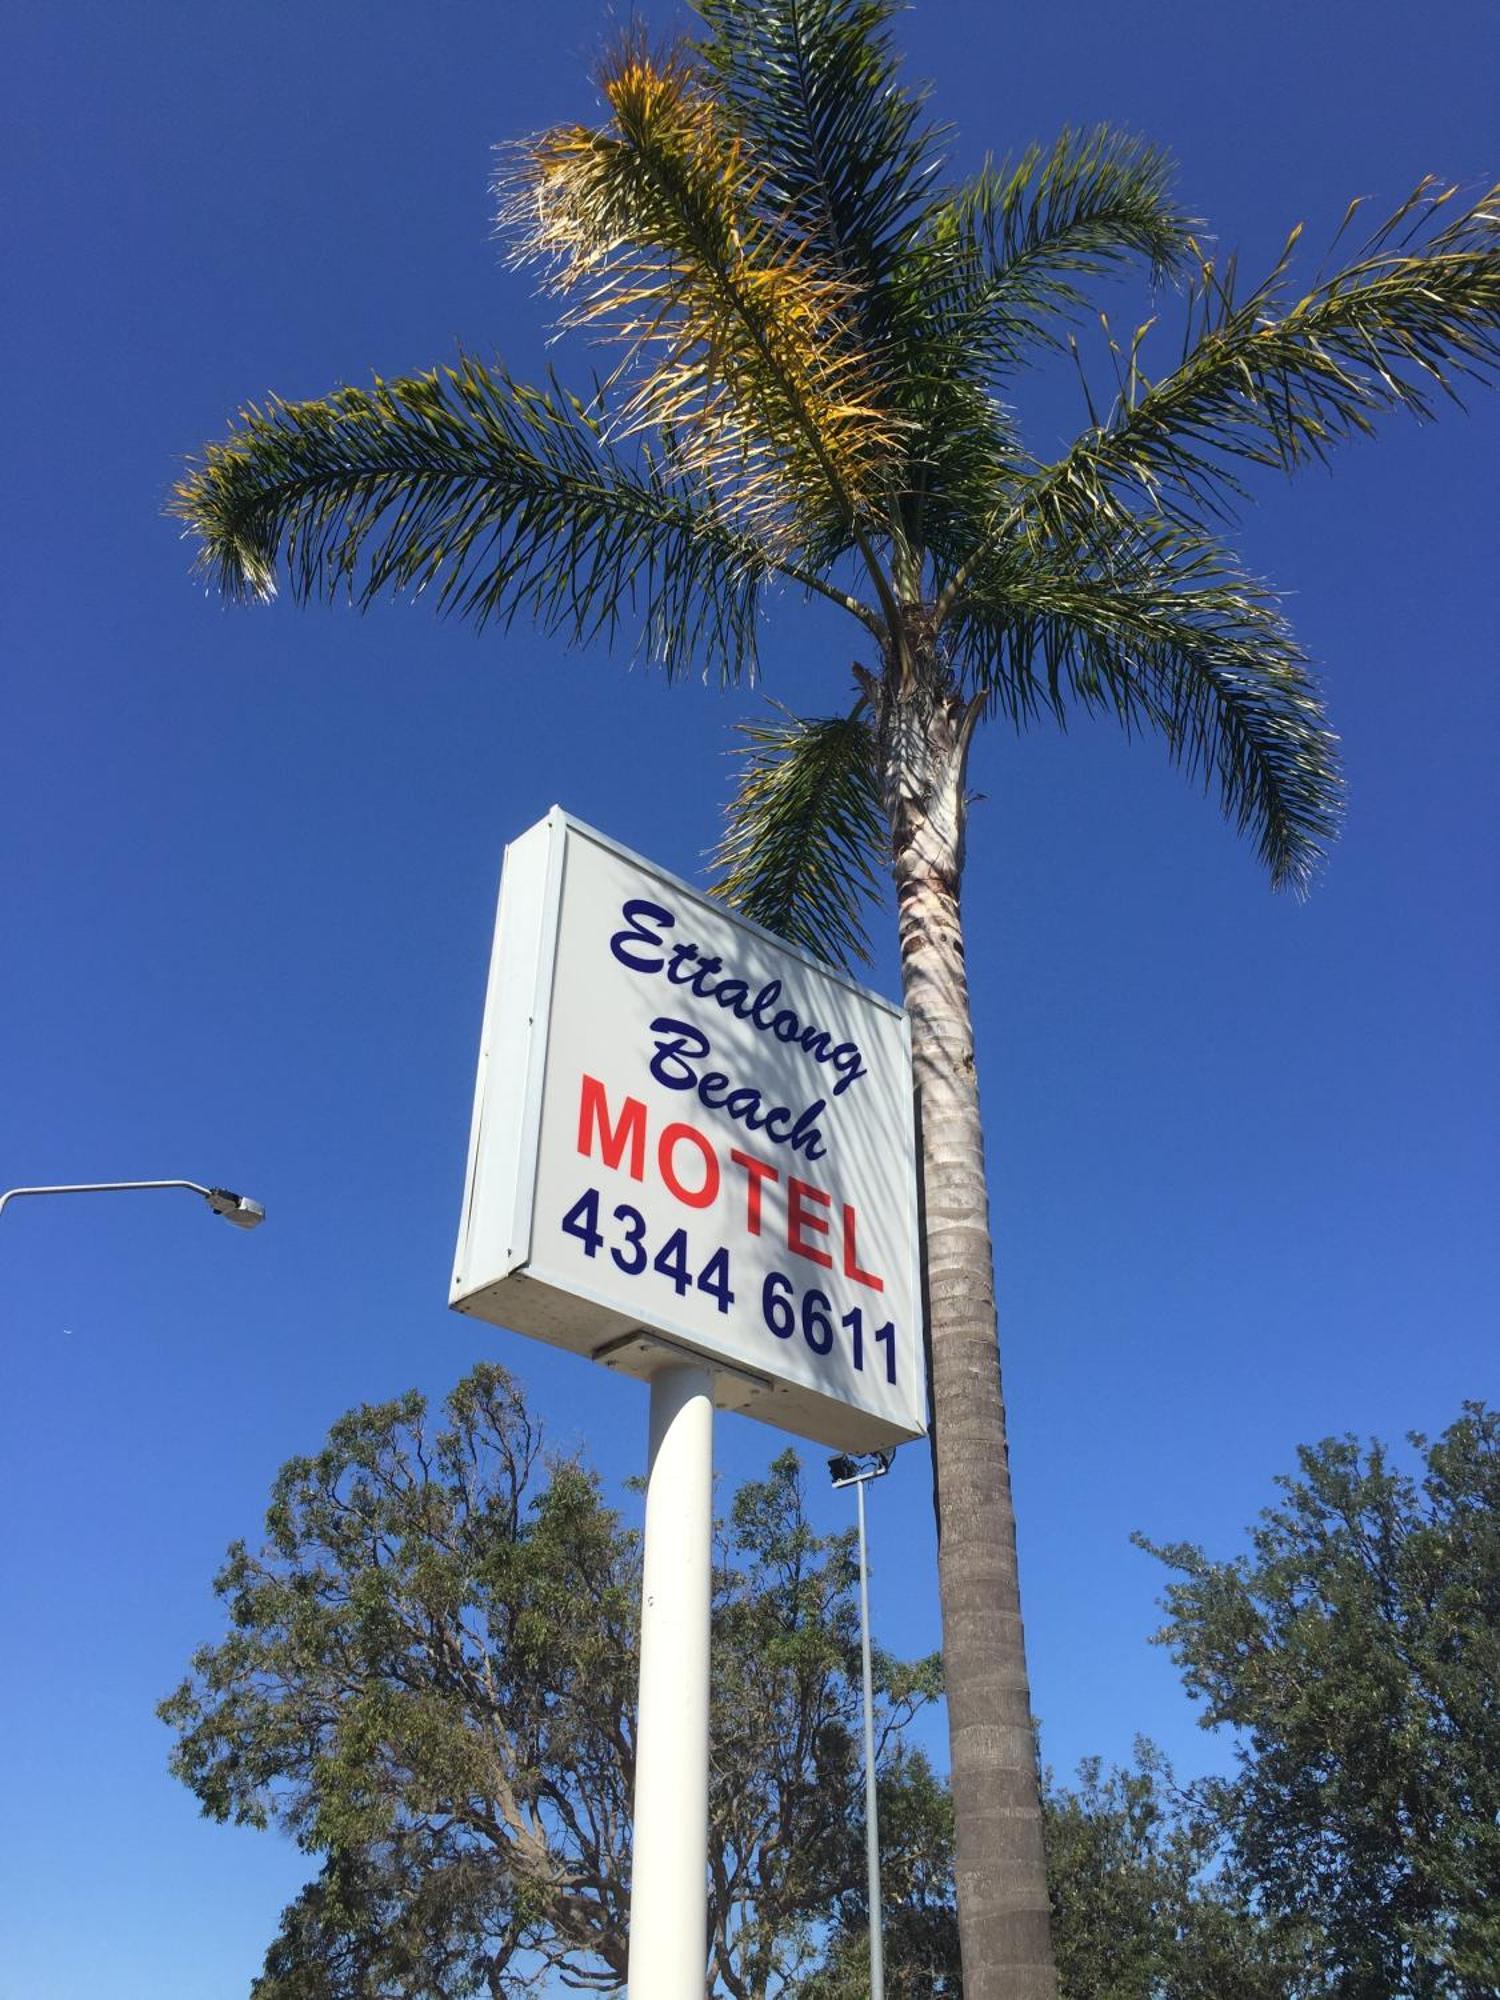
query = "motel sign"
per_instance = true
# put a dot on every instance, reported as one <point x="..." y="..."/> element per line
<point x="689" y="1134"/>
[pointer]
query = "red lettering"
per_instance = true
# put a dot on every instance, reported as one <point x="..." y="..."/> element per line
<point x="629" y="1130"/>
<point x="666" y="1147"/>
<point x="756" y="1171"/>
<point x="799" y="1218"/>
<point x="851" y="1255"/>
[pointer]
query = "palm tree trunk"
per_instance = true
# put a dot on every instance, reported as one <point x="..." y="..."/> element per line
<point x="1004" y="1927"/>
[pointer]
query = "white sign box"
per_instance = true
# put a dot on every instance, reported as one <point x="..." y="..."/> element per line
<point x="686" y="1131"/>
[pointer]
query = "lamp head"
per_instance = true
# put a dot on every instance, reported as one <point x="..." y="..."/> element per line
<point x="850" y="1469"/>
<point x="236" y="1208"/>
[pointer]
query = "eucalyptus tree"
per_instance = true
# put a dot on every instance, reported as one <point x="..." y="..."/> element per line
<point x="817" y="333"/>
<point x="1354" y="1650"/>
<point x="428" y="1678"/>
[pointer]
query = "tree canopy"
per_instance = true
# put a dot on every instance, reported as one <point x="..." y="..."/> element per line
<point x="820" y="343"/>
<point x="1354" y="1651"/>
<point x="429" y="1679"/>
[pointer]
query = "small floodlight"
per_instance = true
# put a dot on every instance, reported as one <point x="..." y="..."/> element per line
<point x="236" y="1208"/>
<point x="853" y="1471"/>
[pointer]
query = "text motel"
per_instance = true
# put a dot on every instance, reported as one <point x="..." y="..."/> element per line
<point x="817" y="1225"/>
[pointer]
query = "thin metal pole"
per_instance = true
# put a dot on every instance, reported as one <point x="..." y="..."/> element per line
<point x="872" y="1823"/>
<point x="669" y="1885"/>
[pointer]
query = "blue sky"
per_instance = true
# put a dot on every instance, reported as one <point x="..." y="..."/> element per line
<point x="1243" y="1165"/>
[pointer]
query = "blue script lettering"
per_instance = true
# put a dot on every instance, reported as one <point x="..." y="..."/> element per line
<point x="642" y="947"/>
<point x="680" y="1047"/>
<point x="633" y="912"/>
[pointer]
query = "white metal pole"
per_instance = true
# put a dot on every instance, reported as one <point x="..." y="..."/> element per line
<point x="669" y="1885"/>
<point x="872" y="1824"/>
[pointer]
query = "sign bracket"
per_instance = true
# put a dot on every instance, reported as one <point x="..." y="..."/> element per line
<point x="642" y="1352"/>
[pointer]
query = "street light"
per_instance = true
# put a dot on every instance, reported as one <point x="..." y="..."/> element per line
<point x="858" y="1472"/>
<point x="236" y="1208"/>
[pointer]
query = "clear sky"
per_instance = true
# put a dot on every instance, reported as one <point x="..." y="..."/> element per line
<point x="1242" y="1149"/>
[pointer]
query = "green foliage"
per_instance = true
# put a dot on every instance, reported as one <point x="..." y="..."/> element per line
<point x="379" y="1924"/>
<point x="1152" y="624"/>
<point x="429" y="1680"/>
<point x="1356" y="1652"/>
<point x="785" y="1730"/>
<point x="500" y="498"/>
<point x="428" y="1677"/>
<point x="800" y="855"/>
<point x="813" y="87"/>
<point x="1147" y="1905"/>
<point x="814" y="330"/>
<point x="1267" y="378"/>
<point x="919" y="1927"/>
<point x="1032" y="229"/>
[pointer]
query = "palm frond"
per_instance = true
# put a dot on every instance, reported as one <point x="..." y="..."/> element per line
<point x="992" y="265"/>
<point x="736" y="335"/>
<point x="499" y="497"/>
<point x="806" y="832"/>
<point x="1156" y="627"/>
<point x="1025" y="233"/>
<point x="1267" y="382"/>
<point x="813" y="87"/>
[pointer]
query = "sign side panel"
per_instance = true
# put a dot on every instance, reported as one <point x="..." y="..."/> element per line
<point x="489" y="1242"/>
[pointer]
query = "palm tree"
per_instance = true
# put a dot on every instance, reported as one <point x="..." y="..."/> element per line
<point x="811" y="330"/>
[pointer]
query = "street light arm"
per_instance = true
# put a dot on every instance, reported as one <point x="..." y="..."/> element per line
<point x="236" y="1208"/>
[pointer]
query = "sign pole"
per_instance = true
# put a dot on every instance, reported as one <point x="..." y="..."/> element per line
<point x="669" y="1886"/>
